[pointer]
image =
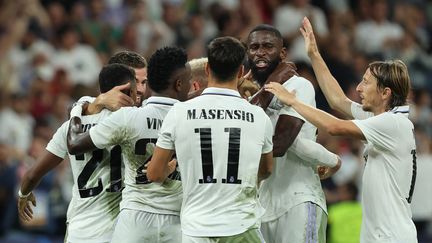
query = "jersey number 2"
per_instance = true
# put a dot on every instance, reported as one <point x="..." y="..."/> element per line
<point x="90" y="167"/>
<point x="207" y="155"/>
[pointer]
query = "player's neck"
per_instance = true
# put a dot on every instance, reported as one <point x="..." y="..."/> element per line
<point x="171" y="95"/>
<point x="225" y="85"/>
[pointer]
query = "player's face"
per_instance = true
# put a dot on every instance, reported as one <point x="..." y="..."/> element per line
<point x="141" y="85"/>
<point x="369" y="92"/>
<point x="265" y="51"/>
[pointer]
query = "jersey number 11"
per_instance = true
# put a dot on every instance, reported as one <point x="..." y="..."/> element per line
<point x="207" y="155"/>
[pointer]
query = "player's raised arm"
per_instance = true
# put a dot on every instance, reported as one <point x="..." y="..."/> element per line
<point x="328" y="84"/>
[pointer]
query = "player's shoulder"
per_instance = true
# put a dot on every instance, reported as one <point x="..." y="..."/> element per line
<point x="256" y="110"/>
<point x="62" y="129"/>
<point x="131" y="112"/>
<point x="96" y="117"/>
<point x="297" y="81"/>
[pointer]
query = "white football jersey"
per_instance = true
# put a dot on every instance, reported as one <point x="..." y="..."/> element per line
<point x="293" y="180"/>
<point x="136" y="130"/>
<point x="389" y="177"/>
<point x="219" y="139"/>
<point x="96" y="193"/>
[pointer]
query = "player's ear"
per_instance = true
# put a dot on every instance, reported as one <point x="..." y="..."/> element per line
<point x="178" y="85"/>
<point x="207" y="69"/>
<point x="195" y="85"/>
<point x="386" y="93"/>
<point x="283" y="54"/>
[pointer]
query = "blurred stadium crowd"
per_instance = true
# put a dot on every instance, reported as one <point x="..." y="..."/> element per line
<point x="52" y="51"/>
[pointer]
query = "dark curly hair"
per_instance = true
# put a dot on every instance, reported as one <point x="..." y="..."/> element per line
<point x="269" y="28"/>
<point x="163" y="64"/>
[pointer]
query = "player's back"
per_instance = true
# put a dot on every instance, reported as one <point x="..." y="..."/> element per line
<point x="136" y="129"/>
<point x="96" y="192"/>
<point x="219" y="143"/>
<point x="389" y="176"/>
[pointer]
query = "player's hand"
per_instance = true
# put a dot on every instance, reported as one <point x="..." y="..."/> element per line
<point x="284" y="71"/>
<point x="115" y="98"/>
<point x="309" y="37"/>
<point x="247" y="86"/>
<point x="25" y="211"/>
<point x="281" y="93"/>
<point x="325" y="172"/>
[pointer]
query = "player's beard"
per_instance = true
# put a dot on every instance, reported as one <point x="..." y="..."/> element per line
<point x="261" y="76"/>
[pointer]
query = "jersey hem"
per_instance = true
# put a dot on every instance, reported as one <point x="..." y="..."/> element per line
<point x="279" y="213"/>
<point x="149" y="210"/>
<point x="207" y="233"/>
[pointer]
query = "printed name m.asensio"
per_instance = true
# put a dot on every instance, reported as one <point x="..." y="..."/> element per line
<point x="219" y="114"/>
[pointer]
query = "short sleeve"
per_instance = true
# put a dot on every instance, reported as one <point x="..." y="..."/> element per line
<point x="379" y="130"/>
<point x="304" y="92"/>
<point x="268" y="136"/>
<point x="57" y="145"/>
<point x="358" y="113"/>
<point x="111" y="130"/>
<point x="86" y="99"/>
<point x="167" y="132"/>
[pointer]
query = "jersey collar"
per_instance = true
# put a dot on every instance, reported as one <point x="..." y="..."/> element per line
<point x="404" y="109"/>
<point x="221" y="91"/>
<point x="158" y="100"/>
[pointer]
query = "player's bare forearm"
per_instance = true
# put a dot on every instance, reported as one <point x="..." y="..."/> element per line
<point x="33" y="176"/>
<point x="158" y="168"/>
<point x="265" y="167"/>
<point x="286" y="131"/>
<point x="31" y="179"/>
<point x="77" y="141"/>
<point x="327" y="122"/>
<point x="330" y="86"/>
<point x="92" y="108"/>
